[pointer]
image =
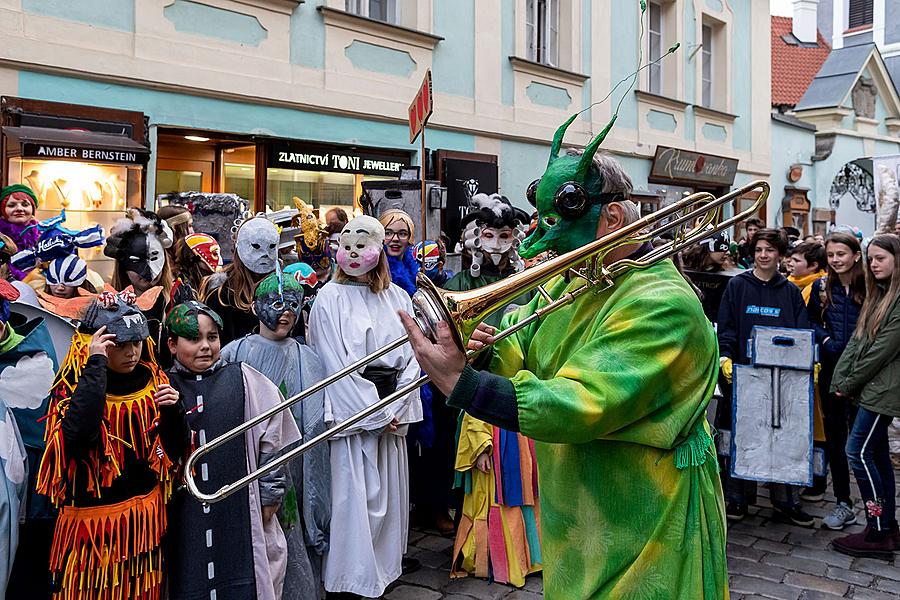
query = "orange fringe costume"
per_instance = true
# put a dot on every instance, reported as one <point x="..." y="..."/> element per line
<point x="107" y="552"/>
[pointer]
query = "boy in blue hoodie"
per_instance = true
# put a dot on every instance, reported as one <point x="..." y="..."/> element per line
<point x="760" y="296"/>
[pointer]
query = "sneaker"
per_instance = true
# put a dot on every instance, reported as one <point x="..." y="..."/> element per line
<point x="870" y="543"/>
<point x="840" y="517"/>
<point x="796" y="516"/>
<point x="735" y="511"/>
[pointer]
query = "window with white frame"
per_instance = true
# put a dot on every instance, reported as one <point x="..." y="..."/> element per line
<point x="707" y="70"/>
<point x="380" y="10"/>
<point x="655" y="46"/>
<point x="542" y="31"/>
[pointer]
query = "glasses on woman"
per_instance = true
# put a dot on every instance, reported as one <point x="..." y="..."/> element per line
<point x="401" y="235"/>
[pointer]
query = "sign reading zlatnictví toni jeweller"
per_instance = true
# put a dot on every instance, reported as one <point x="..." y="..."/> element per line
<point x="81" y="154"/>
<point x="337" y="159"/>
<point x="684" y="166"/>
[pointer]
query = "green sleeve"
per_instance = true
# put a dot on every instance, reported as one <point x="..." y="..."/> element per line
<point x="644" y="375"/>
<point x="883" y="350"/>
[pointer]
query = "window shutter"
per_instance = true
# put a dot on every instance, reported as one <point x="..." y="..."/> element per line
<point x="861" y="13"/>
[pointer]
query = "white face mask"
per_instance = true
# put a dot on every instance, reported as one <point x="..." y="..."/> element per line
<point x="156" y="256"/>
<point x="360" y="246"/>
<point x="496" y="243"/>
<point x="257" y="245"/>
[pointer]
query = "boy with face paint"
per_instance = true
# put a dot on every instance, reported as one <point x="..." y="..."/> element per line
<point x="293" y="366"/>
<point x="354" y="314"/>
<point x="234" y="548"/>
<point x="115" y="428"/>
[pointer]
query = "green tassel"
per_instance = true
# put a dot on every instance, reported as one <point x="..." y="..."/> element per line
<point x="695" y="449"/>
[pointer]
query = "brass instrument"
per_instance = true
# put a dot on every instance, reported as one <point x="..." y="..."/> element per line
<point x="693" y="218"/>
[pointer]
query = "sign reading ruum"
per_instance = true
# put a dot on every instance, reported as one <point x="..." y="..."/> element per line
<point x="674" y="164"/>
<point x="421" y="108"/>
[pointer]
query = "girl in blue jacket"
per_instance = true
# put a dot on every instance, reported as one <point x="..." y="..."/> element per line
<point x="834" y="306"/>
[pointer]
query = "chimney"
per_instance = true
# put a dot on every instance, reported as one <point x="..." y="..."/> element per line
<point x="804" y="28"/>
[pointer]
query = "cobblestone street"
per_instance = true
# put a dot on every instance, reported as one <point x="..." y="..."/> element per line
<point x="765" y="560"/>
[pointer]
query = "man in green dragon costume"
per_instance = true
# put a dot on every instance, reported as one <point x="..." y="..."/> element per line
<point x="613" y="388"/>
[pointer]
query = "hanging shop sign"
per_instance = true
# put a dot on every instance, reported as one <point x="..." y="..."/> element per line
<point x="95" y="155"/>
<point x="335" y="159"/>
<point x="684" y="166"/>
<point x="421" y="108"/>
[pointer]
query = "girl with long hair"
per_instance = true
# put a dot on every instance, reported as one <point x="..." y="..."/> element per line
<point x="834" y="304"/>
<point x="230" y="292"/>
<point x="138" y="245"/>
<point x="869" y="373"/>
<point x="354" y="314"/>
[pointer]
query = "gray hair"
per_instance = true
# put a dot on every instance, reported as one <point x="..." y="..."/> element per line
<point x="615" y="179"/>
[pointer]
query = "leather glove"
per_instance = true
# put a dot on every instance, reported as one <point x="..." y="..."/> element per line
<point x="726" y="366"/>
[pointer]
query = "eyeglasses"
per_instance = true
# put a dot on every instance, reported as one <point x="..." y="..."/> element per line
<point x="400" y="235"/>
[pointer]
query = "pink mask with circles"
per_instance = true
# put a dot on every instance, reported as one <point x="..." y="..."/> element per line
<point x="360" y="246"/>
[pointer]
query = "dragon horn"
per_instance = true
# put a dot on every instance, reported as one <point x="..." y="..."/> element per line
<point x="558" y="137"/>
<point x="587" y="158"/>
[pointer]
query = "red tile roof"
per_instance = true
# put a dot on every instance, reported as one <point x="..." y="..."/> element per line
<point x="793" y="66"/>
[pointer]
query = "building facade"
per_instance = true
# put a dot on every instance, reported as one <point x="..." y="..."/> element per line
<point x="836" y="114"/>
<point x="271" y="99"/>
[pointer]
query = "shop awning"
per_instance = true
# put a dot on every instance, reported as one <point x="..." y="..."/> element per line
<point x="86" y="146"/>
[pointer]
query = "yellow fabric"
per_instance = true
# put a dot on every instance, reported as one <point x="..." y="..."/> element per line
<point x="805" y="283"/>
<point x="471" y="548"/>
<point x="475" y="437"/>
<point x="470" y="551"/>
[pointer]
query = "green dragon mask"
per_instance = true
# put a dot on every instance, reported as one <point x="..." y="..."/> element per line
<point x="568" y="197"/>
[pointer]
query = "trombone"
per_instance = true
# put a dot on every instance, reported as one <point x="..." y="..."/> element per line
<point x="693" y="218"/>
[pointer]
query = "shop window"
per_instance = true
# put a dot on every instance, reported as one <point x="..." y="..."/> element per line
<point x="860" y="13"/>
<point x="656" y="45"/>
<point x="380" y="10"/>
<point x="171" y="180"/>
<point x="542" y="31"/>
<point x="239" y="171"/>
<point x="89" y="192"/>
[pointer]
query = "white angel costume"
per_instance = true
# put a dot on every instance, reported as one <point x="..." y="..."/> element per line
<point x="369" y="470"/>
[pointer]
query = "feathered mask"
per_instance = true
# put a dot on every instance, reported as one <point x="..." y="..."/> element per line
<point x="138" y="243"/>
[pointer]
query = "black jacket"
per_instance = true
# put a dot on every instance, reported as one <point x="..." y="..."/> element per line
<point x="834" y="323"/>
<point x="747" y="302"/>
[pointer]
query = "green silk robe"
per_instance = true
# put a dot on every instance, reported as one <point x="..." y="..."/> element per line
<point x="614" y="388"/>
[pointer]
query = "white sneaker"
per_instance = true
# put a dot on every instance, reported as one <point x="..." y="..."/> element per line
<point x="840" y="517"/>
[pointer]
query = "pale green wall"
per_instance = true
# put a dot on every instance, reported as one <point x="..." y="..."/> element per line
<point x="214" y="22"/>
<point x="454" y="56"/>
<point x="112" y="14"/>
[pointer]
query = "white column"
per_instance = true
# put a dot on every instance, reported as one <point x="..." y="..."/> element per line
<point x="838" y="23"/>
